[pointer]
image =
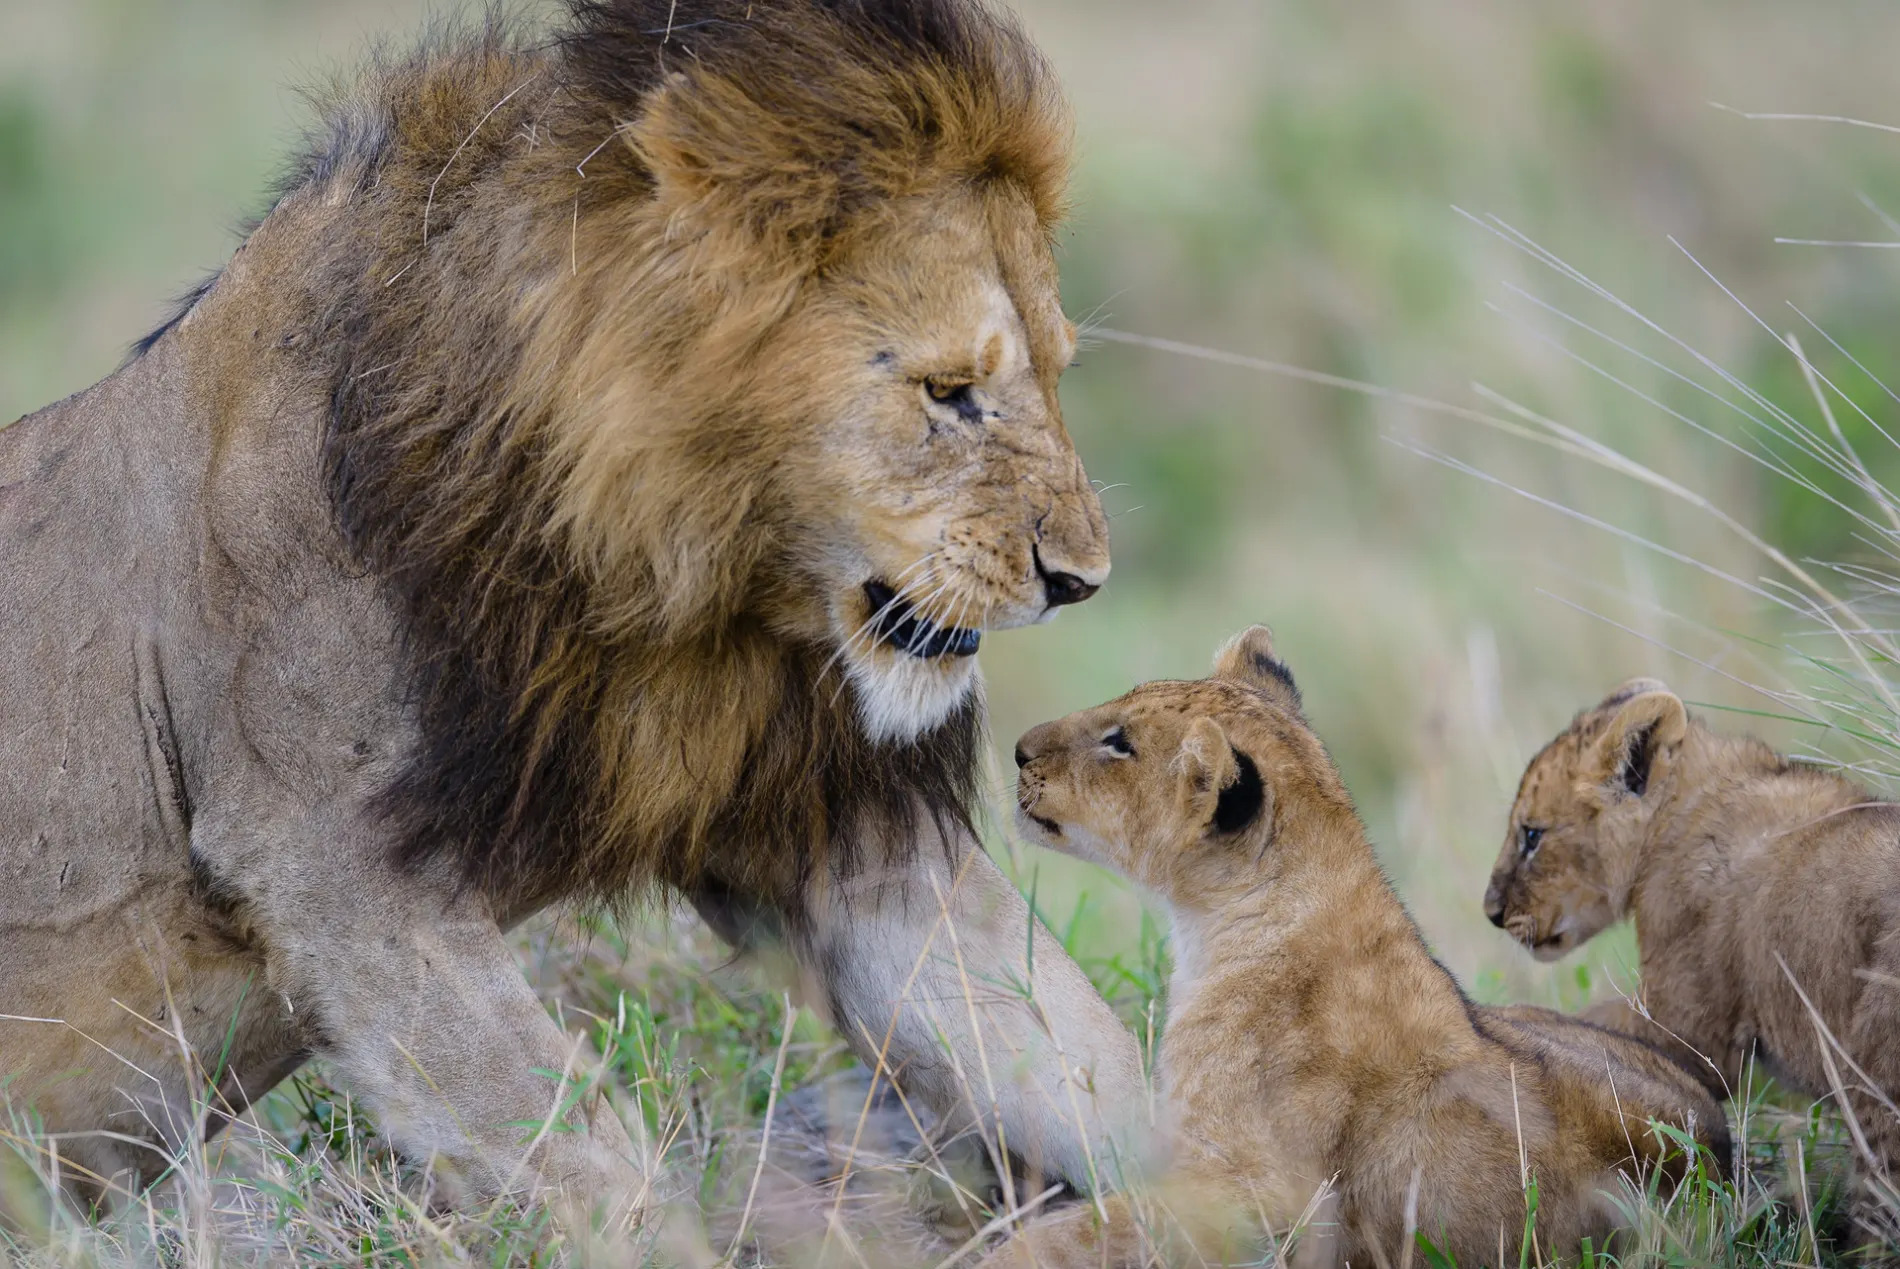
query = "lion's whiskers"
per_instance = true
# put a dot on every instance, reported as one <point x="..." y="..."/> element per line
<point x="941" y="587"/>
<point x="899" y="586"/>
<point x="917" y="606"/>
<point x="918" y="602"/>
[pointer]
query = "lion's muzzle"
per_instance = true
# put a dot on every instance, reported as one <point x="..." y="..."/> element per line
<point x="1062" y="587"/>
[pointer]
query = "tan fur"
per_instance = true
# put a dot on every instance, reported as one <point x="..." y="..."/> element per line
<point x="1746" y="873"/>
<point x="495" y="529"/>
<point x="697" y="421"/>
<point x="1311" y="1037"/>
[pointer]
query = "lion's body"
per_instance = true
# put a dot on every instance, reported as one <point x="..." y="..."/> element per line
<point x="1753" y="880"/>
<point x="1311" y="1037"/>
<point x="504" y="525"/>
<point x="103" y="924"/>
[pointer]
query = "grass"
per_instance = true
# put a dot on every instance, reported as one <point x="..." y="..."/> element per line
<point x="696" y="1055"/>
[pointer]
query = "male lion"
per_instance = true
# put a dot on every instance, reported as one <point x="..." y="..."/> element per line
<point x="1311" y="1037"/>
<point x="596" y="470"/>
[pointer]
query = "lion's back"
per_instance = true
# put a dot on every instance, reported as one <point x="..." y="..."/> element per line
<point x="86" y="520"/>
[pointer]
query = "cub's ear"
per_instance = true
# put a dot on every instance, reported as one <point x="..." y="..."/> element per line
<point x="1249" y="659"/>
<point x="1632" y="689"/>
<point x="1646" y="727"/>
<point x="1218" y="785"/>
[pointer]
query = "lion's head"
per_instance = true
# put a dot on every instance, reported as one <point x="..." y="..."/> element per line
<point x="847" y="239"/>
<point x="922" y="488"/>
<point x="692" y="380"/>
<point x="1580" y="818"/>
<point x="941" y="496"/>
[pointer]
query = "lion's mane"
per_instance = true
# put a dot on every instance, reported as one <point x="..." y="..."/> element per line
<point x="531" y="311"/>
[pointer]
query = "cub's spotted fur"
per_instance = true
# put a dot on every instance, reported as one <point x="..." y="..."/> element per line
<point x="1748" y="875"/>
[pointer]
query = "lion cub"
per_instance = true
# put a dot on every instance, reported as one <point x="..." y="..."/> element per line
<point x="1310" y="1035"/>
<point x="1747" y="874"/>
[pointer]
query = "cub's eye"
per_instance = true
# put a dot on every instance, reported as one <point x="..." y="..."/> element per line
<point x="1117" y="743"/>
<point x="1528" y="839"/>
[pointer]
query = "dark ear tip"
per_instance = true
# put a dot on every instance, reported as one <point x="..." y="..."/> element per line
<point x="1249" y="657"/>
<point x="1630" y="689"/>
<point x="1240" y="802"/>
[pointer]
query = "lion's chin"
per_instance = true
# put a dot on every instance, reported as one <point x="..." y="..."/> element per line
<point x="900" y="697"/>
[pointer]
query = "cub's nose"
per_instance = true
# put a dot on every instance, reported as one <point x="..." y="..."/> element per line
<point x="1034" y="743"/>
<point x="1494" y="906"/>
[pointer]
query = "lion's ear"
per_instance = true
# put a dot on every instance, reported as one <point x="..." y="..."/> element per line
<point x="1642" y="736"/>
<point x="730" y="173"/>
<point x="1249" y="659"/>
<point x="1218" y="786"/>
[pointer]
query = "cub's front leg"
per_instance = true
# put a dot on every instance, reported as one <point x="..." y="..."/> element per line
<point x="1193" y="1217"/>
<point x="1077" y="1237"/>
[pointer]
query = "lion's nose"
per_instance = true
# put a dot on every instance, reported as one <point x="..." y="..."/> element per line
<point x="1063" y="587"/>
<point x="1494" y="907"/>
<point x="1066" y="588"/>
<point x="1022" y="759"/>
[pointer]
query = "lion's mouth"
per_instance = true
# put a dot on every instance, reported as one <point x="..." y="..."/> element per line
<point x="897" y="624"/>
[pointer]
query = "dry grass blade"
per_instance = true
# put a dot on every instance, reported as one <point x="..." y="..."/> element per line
<point x="1831" y="1049"/>
<point x="765" y="1135"/>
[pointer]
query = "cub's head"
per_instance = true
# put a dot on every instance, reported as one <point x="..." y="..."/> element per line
<point x="1178" y="785"/>
<point x="1582" y="812"/>
<point x="845" y="266"/>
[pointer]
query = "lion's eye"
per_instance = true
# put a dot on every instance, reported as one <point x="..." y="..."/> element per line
<point x="1117" y="743"/>
<point x="1528" y="839"/>
<point x="958" y="396"/>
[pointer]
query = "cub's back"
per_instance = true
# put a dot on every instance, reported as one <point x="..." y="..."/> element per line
<point x="1592" y="1073"/>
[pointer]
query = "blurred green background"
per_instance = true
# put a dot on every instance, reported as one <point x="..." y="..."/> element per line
<point x="1281" y="179"/>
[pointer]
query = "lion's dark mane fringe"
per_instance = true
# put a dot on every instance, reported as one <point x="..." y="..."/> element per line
<point x="439" y="453"/>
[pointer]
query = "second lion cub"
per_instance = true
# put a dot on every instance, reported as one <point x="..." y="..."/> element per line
<point x="1311" y="1038"/>
<point x="1766" y="894"/>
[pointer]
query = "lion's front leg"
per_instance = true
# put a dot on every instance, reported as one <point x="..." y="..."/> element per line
<point x="420" y="1005"/>
<point x="928" y="969"/>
